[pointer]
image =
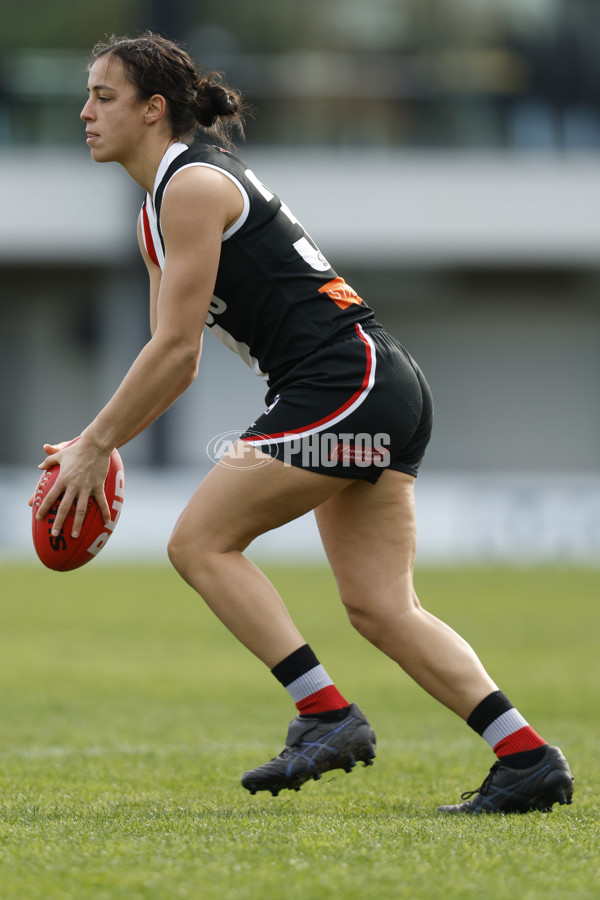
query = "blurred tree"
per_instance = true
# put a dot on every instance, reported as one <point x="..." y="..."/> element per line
<point x="64" y="23"/>
<point x="171" y="19"/>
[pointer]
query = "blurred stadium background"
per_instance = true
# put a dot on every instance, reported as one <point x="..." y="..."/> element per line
<point x="446" y="156"/>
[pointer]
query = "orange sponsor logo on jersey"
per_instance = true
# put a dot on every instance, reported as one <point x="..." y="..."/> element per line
<point x="340" y="292"/>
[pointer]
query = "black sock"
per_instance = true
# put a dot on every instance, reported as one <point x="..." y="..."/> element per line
<point x="524" y="759"/>
<point x="334" y="715"/>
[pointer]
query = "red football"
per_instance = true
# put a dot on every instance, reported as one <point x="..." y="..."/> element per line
<point x="63" y="552"/>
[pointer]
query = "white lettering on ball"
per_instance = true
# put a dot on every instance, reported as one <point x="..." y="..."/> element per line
<point x="117" y="506"/>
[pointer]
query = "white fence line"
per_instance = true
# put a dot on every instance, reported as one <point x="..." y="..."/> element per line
<point x="463" y="518"/>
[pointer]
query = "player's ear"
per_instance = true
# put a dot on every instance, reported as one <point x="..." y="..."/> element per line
<point x="156" y="108"/>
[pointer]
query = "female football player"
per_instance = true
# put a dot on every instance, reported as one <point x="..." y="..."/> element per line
<point x="348" y="417"/>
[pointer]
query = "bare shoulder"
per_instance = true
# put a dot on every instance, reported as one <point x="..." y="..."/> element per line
<point x="198" y="190"/>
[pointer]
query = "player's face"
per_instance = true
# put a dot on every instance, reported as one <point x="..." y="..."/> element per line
<point x="113" y="114"/>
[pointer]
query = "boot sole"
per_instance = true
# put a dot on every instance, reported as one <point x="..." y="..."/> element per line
<point x="362" y="752"/>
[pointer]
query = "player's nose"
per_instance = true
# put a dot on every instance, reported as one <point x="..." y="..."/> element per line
<point x="86" y="113"/>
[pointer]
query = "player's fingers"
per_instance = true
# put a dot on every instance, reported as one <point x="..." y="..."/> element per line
<point x="100" y="498"/>
<point x="62" y="512"/>
<point x="48" y="502"/>
<point x="80" y="511"/>
<point x="51" y="451"/>
<point x="54" y="448"/>
<point x="51" y="460"/>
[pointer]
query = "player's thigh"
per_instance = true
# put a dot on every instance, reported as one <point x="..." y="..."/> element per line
<point x="369" y="534"/>
<point x="246" y="494"/>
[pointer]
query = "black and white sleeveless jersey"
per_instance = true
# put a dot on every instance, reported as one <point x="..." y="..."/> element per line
<point x="277" y="299"/>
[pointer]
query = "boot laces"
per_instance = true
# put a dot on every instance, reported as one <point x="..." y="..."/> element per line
<point x="485" y="787"/>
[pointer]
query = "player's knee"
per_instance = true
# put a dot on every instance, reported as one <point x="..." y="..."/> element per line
<point x="192" y="555"/>
<point x="181" y="554"/>
<point x="368" y="622"/>
<point x="374" y="618"/>
<point x="176" y="554"/>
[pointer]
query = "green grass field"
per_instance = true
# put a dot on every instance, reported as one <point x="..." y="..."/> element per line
<point x="129" y="714"/>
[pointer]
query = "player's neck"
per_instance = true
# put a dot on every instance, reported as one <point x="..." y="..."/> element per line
<point x="144" y="166"/>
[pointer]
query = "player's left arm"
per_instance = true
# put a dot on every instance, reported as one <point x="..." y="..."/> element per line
<point x="154" y="278"/>
<point x="197" y="207"/>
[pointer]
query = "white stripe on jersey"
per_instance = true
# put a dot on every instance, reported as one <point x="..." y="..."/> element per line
<point x="156" y="241"/>
<point x="172" y="153"/>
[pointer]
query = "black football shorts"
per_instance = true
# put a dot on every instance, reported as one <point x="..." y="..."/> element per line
<point x="354" y="408"/>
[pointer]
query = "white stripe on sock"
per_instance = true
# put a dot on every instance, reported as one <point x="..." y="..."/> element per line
<point x="506" y="724"/>
<point x="307" y="684"/>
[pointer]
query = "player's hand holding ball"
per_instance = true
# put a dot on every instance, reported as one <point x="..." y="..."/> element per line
<point x="76" y="503"/>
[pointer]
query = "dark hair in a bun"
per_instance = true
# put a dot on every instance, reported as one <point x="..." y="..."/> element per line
<point x="214" y="100"/>
<point x="156" y="65"/>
